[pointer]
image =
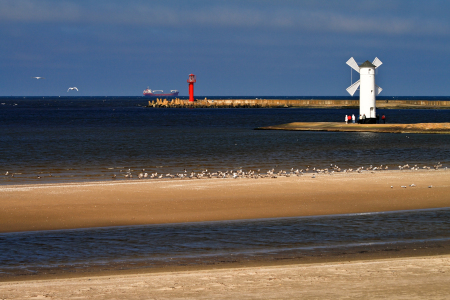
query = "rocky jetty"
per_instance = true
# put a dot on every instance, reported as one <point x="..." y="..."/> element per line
<point x="285" y="103"/>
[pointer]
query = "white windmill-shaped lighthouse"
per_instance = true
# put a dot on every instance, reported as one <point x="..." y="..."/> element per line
<point x="368" y="90"/>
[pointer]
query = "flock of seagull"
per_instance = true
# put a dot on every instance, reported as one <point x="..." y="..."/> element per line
<point x="256" y="174"/>
<point x="69" y="89"/>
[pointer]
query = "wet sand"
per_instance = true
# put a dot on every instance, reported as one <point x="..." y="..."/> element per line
<point x="400" y="278"/>
<point x="137" y="202"/>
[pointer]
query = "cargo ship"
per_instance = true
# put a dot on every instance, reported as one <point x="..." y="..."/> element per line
<point x="160" y="93"/>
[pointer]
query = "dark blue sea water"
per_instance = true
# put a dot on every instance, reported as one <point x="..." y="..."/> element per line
<point x="92" y="138"/>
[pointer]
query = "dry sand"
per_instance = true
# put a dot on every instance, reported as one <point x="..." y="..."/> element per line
<point x="404" y="278"/>
<point x="82" y="205"/>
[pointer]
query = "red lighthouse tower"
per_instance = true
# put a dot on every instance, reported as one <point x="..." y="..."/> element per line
<point x="191" y="81"/>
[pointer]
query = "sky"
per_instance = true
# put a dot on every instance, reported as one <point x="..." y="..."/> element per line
<point x="235" y="48"/>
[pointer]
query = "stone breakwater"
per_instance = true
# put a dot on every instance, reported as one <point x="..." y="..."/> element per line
<point x="443" y="128"/>
<point x="284" y="103"/>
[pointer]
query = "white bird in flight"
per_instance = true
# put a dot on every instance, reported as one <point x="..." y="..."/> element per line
<point x="37" y="77"/>
<point x="72" y="88"/>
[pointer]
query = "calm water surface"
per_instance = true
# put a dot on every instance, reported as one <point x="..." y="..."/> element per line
<point x="155" y="244"/>
<point x="94" y="138"/>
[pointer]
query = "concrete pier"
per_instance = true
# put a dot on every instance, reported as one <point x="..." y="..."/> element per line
<point x="283" y="103"/>
<point x="442" y="128"/>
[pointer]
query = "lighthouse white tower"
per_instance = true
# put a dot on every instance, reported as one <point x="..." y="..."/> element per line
<point x="368" y="90"/>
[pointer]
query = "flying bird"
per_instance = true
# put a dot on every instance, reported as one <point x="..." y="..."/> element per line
<point x="72" y="88"/>
<point x="37" y="77"/>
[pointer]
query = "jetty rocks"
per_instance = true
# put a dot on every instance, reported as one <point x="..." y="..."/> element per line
<point x="222" y="103"/>
<point x="286" y="103"/>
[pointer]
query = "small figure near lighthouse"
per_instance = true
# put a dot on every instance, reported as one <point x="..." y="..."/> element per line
<point x="368" y="90"/>
<point x="191" y="81"/>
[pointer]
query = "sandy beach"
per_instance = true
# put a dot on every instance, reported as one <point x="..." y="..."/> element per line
<point x="136" y="202"/>
<point x="402" y="278"/>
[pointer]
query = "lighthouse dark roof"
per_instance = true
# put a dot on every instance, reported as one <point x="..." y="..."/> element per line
<point x="367" y="64"/>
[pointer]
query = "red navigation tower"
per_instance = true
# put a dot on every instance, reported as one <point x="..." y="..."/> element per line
<point x="191" y="81"/>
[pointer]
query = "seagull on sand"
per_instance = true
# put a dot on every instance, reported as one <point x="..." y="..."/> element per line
<point x="37" y="77"/>
<point x="72" y="88"/>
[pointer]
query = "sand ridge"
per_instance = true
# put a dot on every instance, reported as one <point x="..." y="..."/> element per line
<point x="138" y="202"/>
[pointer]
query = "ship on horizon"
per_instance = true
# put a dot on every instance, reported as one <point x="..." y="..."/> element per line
<point x="160" y="93"/>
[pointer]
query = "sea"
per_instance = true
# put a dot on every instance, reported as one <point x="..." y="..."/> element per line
<point x="85" y="139"/>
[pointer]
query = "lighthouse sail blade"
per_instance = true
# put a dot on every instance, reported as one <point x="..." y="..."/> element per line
<point x="378" y="89"/>
<point x="352" y="63"/>
<point x="352" y="89"/>
<point x="376" y="62"/>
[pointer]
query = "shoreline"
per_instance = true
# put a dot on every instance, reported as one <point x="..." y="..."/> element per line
<point x="104" y="204"/>
<point x="394" y="278"/>
<point x="327" y="255"/>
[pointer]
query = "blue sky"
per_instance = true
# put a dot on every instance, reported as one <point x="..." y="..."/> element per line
<point x="236" y="48"/>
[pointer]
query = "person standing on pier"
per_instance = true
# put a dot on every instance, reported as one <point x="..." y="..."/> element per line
<point x="353" y="118"/>
<point x="383" y="117"/>
<point x="346" y="119"/>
